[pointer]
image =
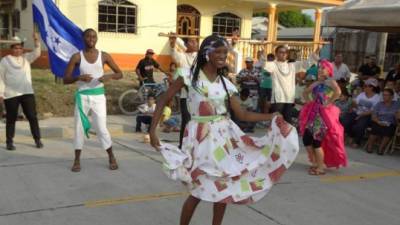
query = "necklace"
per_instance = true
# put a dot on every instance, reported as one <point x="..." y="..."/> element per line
<point x="281" y="70"/>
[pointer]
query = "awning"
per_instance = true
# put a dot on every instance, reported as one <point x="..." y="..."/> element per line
<point x="374" y="15"/>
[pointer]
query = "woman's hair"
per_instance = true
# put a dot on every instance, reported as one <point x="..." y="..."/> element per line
<point x="388" y="90"/>
<point x="345" y="92"/>
<point x="207" y="46"/>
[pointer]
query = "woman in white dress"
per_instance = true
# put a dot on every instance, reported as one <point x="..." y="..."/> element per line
<point x="218" y="162"/>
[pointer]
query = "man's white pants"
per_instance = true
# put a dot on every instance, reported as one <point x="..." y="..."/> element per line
<point x="96" y="104"/>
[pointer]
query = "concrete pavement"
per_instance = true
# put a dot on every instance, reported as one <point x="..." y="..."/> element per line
<point x="37" y="187"/>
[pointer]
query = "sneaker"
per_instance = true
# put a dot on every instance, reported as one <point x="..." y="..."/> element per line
<point x="39" y="143"/>
<point x="10" y="147"/>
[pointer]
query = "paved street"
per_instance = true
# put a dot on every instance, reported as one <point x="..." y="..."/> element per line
<point x="37" y="188"/>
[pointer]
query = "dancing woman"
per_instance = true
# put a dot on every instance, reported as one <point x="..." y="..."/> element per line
<point x="323" y="135"/>
<point x="218" y="162"/>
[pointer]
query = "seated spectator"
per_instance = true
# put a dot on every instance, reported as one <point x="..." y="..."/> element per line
<point x="247" y="104"/>
<point x="357" y="121"/>
<point x="344" y="104"/>
<point x="145" y="113"/>
<point x="390" y="84"/>
<point x="383" y="121"/>
<point x="170" y="123"/>
<point x="369" y="69"/>
<point x="340" y="70"/>
<point x="249" y="78"/>
<point x="393" y="75"/>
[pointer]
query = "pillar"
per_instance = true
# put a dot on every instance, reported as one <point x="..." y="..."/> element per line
<point x="271" y="26"/>
<point x="317" y="28"/>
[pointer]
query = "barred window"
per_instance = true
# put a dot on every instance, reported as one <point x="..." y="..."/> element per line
<point x="225" y="24"/>
<point x="118" y="16"/>
<point x="24" y="4"/>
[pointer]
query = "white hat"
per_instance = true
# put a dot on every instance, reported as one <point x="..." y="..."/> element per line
<point x="249" y="59"/>
<point x="17" y="40"/>
<point x="372" y="82"/>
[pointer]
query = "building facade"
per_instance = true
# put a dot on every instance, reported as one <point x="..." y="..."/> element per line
<point x="128" y="27"/>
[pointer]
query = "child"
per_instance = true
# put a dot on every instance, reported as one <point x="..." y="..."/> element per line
<point x="146" y="113"/>
<point x="247" y="104"/>
<point x="344" y="104"/>
<point x="170" y="123"/>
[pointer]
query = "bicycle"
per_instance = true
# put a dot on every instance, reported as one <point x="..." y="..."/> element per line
<point x="129" y="101"/>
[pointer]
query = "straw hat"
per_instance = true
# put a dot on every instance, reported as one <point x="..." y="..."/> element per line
<point x="17" y="40"/>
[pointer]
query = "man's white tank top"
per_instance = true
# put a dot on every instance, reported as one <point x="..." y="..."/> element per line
<point x="94" y="69"/>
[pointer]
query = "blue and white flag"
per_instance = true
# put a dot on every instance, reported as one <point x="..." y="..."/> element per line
<point x="61" y="36"/>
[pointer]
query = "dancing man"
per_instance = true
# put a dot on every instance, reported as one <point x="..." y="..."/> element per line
<point x="283" y="74"/>
<point x="90" y="95"/>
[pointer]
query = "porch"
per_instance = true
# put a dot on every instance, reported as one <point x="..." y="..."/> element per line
<point x="232" y="21"/>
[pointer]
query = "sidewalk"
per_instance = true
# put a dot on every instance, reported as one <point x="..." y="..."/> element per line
<point x="63" y="127"/>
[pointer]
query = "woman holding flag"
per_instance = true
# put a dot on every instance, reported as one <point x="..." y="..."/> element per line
<point x="16" y="89"/>
<point x="90" y="95"/>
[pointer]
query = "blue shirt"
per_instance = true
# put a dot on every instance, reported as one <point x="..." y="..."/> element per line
<point x="386" y="113"/>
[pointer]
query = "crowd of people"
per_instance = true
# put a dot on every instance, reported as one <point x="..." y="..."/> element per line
<point x="318" y="97"/>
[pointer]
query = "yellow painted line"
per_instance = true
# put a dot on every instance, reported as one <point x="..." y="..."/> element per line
<point x="365" y="176"/>
<point x="134" y="198"/>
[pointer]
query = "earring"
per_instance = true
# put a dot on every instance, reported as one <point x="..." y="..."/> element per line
<point x="207" y="58"/>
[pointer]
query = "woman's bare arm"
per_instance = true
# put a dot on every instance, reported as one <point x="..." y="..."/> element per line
<point x="245" y="115"/>
<point x="165" y="98"/>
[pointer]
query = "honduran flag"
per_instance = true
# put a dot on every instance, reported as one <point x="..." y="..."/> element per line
<point x="61" y="36"/>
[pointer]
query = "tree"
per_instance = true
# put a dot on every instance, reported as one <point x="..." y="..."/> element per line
<point x="291" y="19"/>
<point x="295" y="19"/>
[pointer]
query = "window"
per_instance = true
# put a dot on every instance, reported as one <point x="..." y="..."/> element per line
<point x="188" y="22"/>
<point x="117" y="16"/>
<point x="225" y="24"/>
<point x="16" y="20"/>
<point x="24" y="4"/>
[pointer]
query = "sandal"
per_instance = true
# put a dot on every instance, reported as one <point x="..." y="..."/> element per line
<point x="312" y="168"/>
<point x="113" y="165"/>
<point x="76" y="167"/>
<point x="316" y="172"/>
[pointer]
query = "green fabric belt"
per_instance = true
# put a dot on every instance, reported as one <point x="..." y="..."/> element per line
<point x="78" y="101"/>
<point x="206" y="119"/>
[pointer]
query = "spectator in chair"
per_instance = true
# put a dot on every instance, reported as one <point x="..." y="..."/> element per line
<point x="340" y="69"/>
<point x="393" y="75"/>
<point x="247" y="104"/>
<point x="344" y="104"/>
<point x="146" y="113"/>
<point x="384" y="121"/>
<point x="370" y="69"/>
<point x="356" y="122"/>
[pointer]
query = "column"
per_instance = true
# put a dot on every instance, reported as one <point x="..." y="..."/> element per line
<point x="317" y="28"/>
<point x="271" y="26"/>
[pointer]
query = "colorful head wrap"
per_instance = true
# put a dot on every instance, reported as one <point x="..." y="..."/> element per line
<point x="325" y="64"/>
